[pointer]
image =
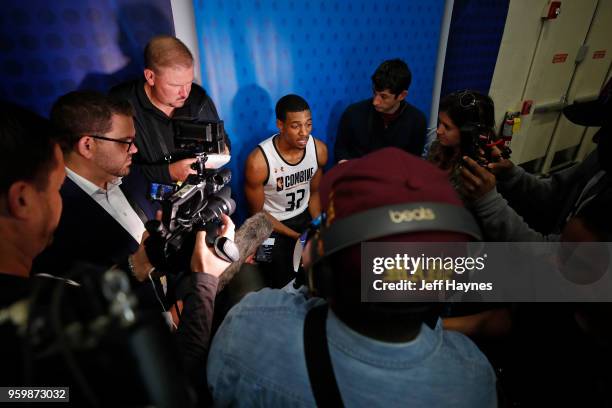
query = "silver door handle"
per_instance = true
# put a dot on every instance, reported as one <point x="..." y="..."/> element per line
<point x="586" y="98"/>
<point x="550" y="107"/>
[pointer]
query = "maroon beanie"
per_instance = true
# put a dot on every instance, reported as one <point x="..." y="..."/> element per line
<point x="389" y="176"/>
<point x="384" y="177"/>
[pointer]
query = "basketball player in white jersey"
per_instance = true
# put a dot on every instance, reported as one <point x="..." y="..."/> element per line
<point x="282" y="179"/>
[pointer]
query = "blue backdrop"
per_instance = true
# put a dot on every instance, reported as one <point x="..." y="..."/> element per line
<point x="49" y="48"/>
<point x="254" y="52"/>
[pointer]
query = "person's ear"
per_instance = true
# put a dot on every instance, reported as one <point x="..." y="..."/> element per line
<point x="21" y="199"/>
<point x="84" y="147"/>
<point x="402" y="95"/>
<point x="149" y="76"/>
<point x="279" y="124"/>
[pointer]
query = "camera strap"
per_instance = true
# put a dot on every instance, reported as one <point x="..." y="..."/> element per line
<point x="164" y="149"/>
<point x="318" y="361"/>
<point x="153" y="128"/>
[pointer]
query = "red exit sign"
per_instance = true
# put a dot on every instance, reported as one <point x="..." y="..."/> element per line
<point x="600" y="54"/>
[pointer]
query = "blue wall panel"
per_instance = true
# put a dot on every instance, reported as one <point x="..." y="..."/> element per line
<point x="254" y="52"/>
<point x="475" y="33"/>
<point x="48" y="48"/>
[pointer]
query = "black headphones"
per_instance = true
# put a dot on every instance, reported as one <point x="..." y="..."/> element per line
<point x="381" y="222"/>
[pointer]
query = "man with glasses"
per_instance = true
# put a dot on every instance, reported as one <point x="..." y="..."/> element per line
<point x="103" y="219"/>
<point x="33" y="185"/>
<point x="385" y="120"/>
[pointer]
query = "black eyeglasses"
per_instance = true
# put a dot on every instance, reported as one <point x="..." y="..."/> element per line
<point x="130" y="143"/>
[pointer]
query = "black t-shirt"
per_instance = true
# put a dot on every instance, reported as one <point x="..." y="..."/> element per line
<point x="155" y="130"/>
<point x="363" y="130"/>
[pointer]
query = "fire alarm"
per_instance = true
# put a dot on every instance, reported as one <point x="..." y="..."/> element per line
<point x="553" y="10"/>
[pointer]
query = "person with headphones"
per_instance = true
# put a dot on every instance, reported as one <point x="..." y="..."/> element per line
<point x="356" y="353"/>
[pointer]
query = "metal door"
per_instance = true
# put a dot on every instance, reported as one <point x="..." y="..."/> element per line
<point x="591" y="71"/>
<point x="550" y="75"/>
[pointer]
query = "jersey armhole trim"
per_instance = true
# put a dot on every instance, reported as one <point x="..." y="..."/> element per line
<point x="267" y="165"/>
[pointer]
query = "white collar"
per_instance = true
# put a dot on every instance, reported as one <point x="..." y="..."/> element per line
<point x="89" y="187"/>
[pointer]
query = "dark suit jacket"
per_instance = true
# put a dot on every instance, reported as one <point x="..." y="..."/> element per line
<point x="86" y="232"/>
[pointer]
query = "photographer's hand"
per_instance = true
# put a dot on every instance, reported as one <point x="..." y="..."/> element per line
<point x="179" y="170"/>
<point x="476" y="180"/>
<point x="498" y="164"/>
<point x="203" y="258"/>
<point x="139" y="262"/>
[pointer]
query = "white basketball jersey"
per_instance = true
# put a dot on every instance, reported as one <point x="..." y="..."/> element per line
<point x="287" y="189"/>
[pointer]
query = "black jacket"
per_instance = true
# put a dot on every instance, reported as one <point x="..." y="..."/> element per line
<point x="86" y="232"/>
<point x="362" y="131"/>
<point x="154" y="130"/>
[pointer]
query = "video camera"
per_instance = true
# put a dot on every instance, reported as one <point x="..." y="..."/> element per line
<point x="193" y="136"/>
<point x="195" y="205"/>
<point x="478" y="141"/>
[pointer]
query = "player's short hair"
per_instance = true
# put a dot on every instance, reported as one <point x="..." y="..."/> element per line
<point x="290" y="103"/>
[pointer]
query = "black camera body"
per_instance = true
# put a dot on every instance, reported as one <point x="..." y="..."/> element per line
<point x="193" y="136"/>
<point x="195" y="205"/>
<point x="477" y="139"/>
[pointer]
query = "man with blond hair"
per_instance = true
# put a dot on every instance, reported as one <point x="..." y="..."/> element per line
<point x="165" y="91"/>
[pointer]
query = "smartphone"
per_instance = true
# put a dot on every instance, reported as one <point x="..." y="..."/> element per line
<point x="264" y="251"/>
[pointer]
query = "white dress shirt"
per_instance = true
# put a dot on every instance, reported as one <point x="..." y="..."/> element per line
<point x="113" y="201"/>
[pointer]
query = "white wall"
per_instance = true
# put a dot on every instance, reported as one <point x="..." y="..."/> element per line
<point x="184" y="28"/>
